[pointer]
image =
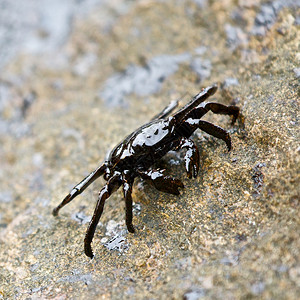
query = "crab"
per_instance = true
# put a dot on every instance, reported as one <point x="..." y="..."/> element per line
<point x="135" y="155"/>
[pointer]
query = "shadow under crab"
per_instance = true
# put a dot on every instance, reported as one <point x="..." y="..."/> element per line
<point x="135" y="155"/>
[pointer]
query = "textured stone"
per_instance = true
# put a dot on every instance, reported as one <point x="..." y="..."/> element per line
<point x="233" y="233"/>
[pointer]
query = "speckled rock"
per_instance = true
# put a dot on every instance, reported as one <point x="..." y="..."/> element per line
<point x="233" y="233"/>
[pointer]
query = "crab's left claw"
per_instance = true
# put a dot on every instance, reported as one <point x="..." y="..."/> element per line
<point x="163" y="183"/>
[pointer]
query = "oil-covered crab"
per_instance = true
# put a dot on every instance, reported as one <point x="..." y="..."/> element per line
<point x="136" y="154"/>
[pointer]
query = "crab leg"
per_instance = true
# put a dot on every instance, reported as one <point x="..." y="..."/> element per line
<point x="215" y="131"/>
<point x="221" y="109"/>
<point x="80" y="187"/>
<point x="199" y="98"/>
<point x="111" y="186"/>
<point x="166" y="111"/>
<point x="127" y="189"/>
<point x="192" y="123"/>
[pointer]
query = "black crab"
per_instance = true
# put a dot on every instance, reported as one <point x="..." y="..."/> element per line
<point x="135" y="155"/>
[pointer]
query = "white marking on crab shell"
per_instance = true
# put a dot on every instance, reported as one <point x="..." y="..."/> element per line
<point x="126" y="187"/>
<point x="83" y="182"/>
<point x="75" y="190"/>
<point x="127" y="152"/>
<point x="119" y="151"/>
<point x="79" y="186"/>
<point x="187" y="157"/>
<point x="155" y="174"/>
<point x="187" y="143"/>
<point x="192" y="121"/>
<point x="153" y="134"/>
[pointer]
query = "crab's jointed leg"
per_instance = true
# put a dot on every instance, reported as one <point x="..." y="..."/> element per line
<point x="166" y="111"/>
<point x="215" y="131"/>
<point x="111" y="186"/>
<point x="192" y="123"/>
<point x="80" y="187"/>
<point x="127" y="190"/>
<point x="221" y="109"/>
<point x="198" y="99"/>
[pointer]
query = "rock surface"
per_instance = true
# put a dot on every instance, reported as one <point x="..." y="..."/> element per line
<point x="233" y="233"/>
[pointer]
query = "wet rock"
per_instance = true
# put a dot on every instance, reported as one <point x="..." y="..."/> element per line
<point x="142" y="81"/>
<point x="6" y="196"/>
<point x="27" y="102"/>
<point x="36" y="26"/>
<point x="297" y="72"/>
<point x="194" y="294"/>
<point x="117" y="243"/>
<point x="202" y="67"/>
<point x="257" y="288"/>
<point x="232" y="231"/>
<point x="85" y="64"/>
<point x="258" y="178"/>
<point x="265" y="19"/>
<point x="81" y="217"/>
<point x="235" y="36"/>
<point x="228" y="82"/>
<point x="201" y="3"/>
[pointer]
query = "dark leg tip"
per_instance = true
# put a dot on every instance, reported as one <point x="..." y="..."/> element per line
<point x="229" y="147"/>
<point x="130" y="228"/>
<point x="55" y="212"/>
<point x="195" y="170"/>
<point x="88" y="251"/>
<point x="228" y="142"/>
<point x="192" y="173"/>
<point x="175" y="192"/>
<point x="179" y="183"/>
